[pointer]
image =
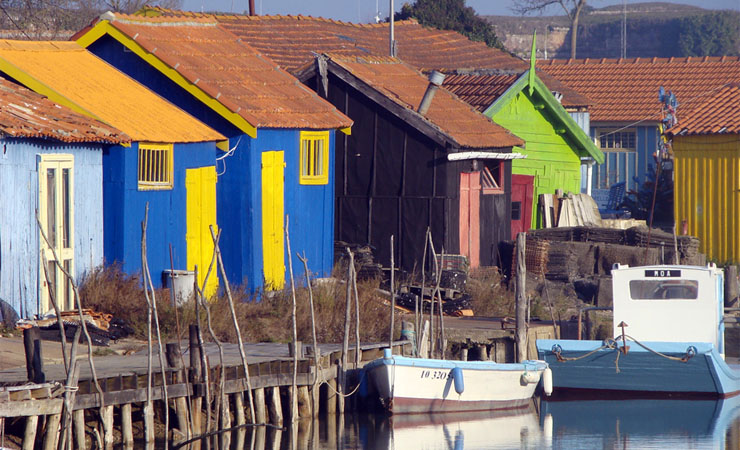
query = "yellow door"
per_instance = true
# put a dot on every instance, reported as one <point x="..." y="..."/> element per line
<point x="201" y="214"/>
<point x="56" y="214"/>
<point x="273" y="260"/>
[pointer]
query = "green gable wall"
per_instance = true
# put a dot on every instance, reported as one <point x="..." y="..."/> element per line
<point x="550" y="157"/>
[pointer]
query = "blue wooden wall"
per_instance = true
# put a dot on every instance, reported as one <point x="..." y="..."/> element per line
<point x="125" y="204"/>
<point x="630" y="167"/>
<point x="239" y="191"/>
<point x="19" y="237"/>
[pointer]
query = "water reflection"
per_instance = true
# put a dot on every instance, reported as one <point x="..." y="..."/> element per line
<point x="583" y="424"/>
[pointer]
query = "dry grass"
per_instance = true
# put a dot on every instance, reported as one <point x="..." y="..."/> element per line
<point x="267" y="320"/>
<point x="490" y="297"/>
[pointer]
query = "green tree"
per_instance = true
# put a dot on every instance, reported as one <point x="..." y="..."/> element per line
<point x="451" y="15"/>
<point x="712" y="34"/>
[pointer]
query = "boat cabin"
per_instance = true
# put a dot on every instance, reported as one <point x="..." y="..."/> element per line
<point x="670" y="303"/>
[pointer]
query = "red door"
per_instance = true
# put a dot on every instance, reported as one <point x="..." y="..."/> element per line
<point x="522" y="190"/>
<point x="470" y="217"/>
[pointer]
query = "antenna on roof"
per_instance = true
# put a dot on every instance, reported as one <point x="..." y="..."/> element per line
<point x="392" y="37"/>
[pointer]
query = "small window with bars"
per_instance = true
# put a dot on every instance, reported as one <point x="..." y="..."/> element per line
<point x="615" y="141"/>
<point x="314" y="160"/>
<point x="492" y="177"/>
<point x="155" y="166"/>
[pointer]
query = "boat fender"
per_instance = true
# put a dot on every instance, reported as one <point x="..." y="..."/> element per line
<point x="529" y="378"/>
<point x="457" y="377"/>
<point x="547" y="381"/>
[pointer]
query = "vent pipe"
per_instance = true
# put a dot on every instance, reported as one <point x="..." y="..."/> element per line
<point x="435" y="81"/>
<point x="251" y="8"/>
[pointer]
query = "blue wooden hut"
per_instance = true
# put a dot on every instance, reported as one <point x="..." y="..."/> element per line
<point x="169" y="165"/>
<point x="280" y="159"/>
<point x="51" y="161"/>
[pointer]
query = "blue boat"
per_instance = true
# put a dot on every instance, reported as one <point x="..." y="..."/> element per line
<point x="668" y="338"/>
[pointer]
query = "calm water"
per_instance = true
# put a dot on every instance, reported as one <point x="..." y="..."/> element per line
<point x="592" y="424"/>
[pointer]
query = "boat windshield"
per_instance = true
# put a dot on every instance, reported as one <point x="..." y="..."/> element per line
<point x="664" y="289"/>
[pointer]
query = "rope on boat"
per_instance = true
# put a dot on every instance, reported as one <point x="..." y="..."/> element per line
<point x="613" y="345"/>
<point x="557" y="350"/>
<point x="320" y="369"/>
<point x="690" y="351"/>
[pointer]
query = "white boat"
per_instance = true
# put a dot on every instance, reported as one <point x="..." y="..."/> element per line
<point x="668" y="338"/>
<point x="421" y="385"/>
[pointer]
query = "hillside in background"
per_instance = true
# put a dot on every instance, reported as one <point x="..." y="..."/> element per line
<point x="653" y="29"/>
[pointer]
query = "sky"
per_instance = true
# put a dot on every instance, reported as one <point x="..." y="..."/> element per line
<point x="363" y="11"/>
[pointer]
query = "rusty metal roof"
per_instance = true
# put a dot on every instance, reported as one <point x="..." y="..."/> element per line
<point x="228" y="70"/>
<point x="26" y="114"/>
<point x="717" y="114"/>
<point x="70" y="75"/>
<point x="293" y="41"/>
<point x="405" y="86"/>
<point x="626" y="90"/>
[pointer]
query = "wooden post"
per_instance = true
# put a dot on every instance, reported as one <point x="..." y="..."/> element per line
<point x="52" y="431"/>
<point x="174" y="361"/>
<point x="259" y="406"/>
<point x="275" y="406"/>
<point x="239" y="415"/>
<point x="304" y="402"/>
<point x="78" y="419"/>
<point x="393" y="302"/>
<point x="29" y="436"/>
<point x="107" y="418"/>
<point x="342" y="384"/>
<point x="196" y="424"/>
<point x="127" y="429"/>
<point x="331" y="396"/>
<point x="34" y="358"/>
<point x="226" y="422"/>
<point x="196" y="403"/>
<point x="731" y="290"/>
<point x="521" y="298"/>
<point x="148" y="422"/>
<point x="315" y="397"/>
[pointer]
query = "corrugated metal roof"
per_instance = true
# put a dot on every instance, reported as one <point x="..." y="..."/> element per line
<point x="230" y="71"/>
<point x="718" y="114"/>
<point x="626" y="90"/>
<point x="24" y="113"/>
<point x="70" y="75"/>
<point x="292" y="41"/>
<point x="405" y="86"/>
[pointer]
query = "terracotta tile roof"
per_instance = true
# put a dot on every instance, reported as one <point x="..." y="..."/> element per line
<point x="405" y="86"/>
<point x="627" y="90"/>
<point x="70" y="75"/>
<point x="479" y="91"/>
<point x="240" y="78"/>
<point x="481" y="88"/>
<point x="293" y="41"/>
<point x="26" y="114"/>
<point x="718" y="114"/>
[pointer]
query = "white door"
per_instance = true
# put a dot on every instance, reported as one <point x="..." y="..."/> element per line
<point x="56" y="214"/>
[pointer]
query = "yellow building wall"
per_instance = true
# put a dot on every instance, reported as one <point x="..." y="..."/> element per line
<point x="707" y="192"/>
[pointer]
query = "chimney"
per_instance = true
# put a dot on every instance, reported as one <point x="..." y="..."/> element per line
<point x="435" y="81"/>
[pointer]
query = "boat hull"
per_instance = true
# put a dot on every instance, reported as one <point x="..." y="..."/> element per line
<point x="587" y="367"/>
<point x="415" y="385"/>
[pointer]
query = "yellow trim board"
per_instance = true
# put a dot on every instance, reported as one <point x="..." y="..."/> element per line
<point x="346" y="130"/>
<point x="104" y="27"/>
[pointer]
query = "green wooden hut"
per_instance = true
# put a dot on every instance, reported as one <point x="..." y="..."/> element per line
<point x="556" y="145"/>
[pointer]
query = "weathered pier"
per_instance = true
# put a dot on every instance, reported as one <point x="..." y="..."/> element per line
<point x="123" y="380"/>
